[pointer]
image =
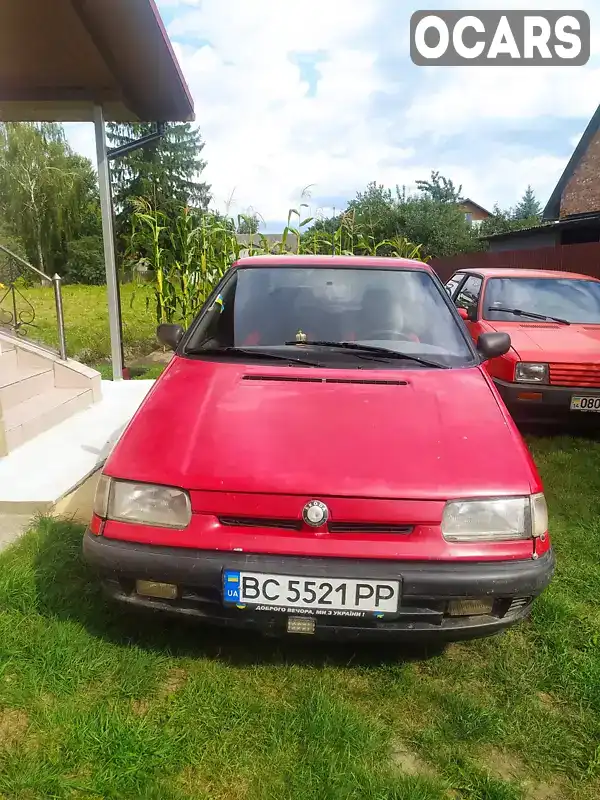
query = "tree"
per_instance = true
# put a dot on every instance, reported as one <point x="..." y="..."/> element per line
<point x="85" y="261"/>
<point x="440" y="189"/>
<point x="48" y="194"/>
<point x="499" y="222"/>
<point x="439" y="226"/>
<point x="383" y="215"/>
<point x="248" y="223"/>
<point x="529" y="207"/>
<point x="507" y="220"/>
<point x="165" y="172"/>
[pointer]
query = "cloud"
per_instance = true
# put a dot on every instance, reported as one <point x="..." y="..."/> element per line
<point x="325" y="94"/>
<point x="81" y="138"/>
<point x="574" y="140"/>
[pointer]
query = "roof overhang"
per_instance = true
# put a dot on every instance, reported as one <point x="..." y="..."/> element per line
<point x="568" y="223"/>
<point x="60" y="58"/>
<point x="468" y="201"/>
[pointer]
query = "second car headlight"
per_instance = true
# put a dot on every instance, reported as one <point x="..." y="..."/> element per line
<point x="504" y="519"/>
<point x="530" y="372"/>
<point x="142" y="503"/>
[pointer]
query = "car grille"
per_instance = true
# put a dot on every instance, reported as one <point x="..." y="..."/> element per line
<point x="518" y="604"/>
<point x="333" y="527"/>
<point x="253" y="522"/>
<point x="582" y="375"/>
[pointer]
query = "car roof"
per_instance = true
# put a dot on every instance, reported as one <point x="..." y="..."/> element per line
<point x="499" y="272"/>
<point x="315" y="261"/>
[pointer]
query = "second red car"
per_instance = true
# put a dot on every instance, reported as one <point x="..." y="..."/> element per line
<point x="552" y="370"/>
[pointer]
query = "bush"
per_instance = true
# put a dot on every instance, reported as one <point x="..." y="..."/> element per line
<point x="85" y="261"/>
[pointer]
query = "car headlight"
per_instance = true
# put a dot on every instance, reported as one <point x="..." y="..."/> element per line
<point x="530" y="372"/>
<point x="504" y="519"/>
<point x="142" y="503"/>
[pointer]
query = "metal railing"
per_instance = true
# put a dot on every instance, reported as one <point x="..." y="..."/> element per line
<point x="16" y="311"/>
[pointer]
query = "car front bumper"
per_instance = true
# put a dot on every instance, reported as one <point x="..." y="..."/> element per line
<point x="553" y="404"/>
<point x="427" y="587"/>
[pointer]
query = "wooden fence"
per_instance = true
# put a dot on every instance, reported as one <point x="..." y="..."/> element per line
<point x="583" y="258"/>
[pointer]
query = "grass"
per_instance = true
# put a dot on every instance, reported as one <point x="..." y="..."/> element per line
<point x="137" y="374"/>
<point x="97" y="703"/>
<point x="86" y="321"/>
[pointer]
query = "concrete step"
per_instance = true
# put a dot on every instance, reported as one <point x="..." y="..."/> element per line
<point x="8" y="360"/>
<point x="6" y="341"/>
<point x="40" y="413"/>
<point x="34" y="477"/>
<point x="20" y="382"/>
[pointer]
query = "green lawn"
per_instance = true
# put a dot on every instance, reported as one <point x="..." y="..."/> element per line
<point x="96" y="703"/>
<point x="86" y="318"/>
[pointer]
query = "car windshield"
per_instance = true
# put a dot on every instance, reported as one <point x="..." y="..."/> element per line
<point x="573" y="300"/>
<point x="272" y="308"/>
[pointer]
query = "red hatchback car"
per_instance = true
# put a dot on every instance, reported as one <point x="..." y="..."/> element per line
<point x="325" y="454"/>
<point x="552" y="371"/>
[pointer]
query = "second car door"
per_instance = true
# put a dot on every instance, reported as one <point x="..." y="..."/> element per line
<point x="468" y="298"/>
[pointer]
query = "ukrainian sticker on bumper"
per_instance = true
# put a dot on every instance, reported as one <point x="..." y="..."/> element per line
<point x="322" y="596"/>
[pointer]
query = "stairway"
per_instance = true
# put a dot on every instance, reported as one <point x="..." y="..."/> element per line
<point x="38" y="390"/>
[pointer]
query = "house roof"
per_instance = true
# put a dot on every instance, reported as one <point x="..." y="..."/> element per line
<point x="473" y="203"/>
<point x="557" y="224"/>
<point x="552" y="210"/>
<point x="59" y="58"/>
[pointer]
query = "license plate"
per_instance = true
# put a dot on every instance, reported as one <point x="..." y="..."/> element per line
<point x="586" y="404"/>
<point x="321" y="596"/>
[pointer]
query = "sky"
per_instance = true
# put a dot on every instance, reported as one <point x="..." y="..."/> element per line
<point x="323" y="94"/>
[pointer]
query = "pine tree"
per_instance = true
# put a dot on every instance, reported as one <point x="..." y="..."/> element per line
<point x="165" y="172"/>
<point x="529" y="207"/>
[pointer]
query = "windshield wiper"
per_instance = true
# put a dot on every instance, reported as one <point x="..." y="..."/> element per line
<point x="376" y="351"/>
<point x="518" y="312"/>
<point x="242" y="351"/>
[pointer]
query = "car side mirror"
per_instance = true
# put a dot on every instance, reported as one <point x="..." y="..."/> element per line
<point x="170" y="335"/>
<point x="464" y="314"/>
<point x="493" y="345"/>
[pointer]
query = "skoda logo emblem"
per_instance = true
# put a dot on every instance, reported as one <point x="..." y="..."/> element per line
<point x="315" y="513"/>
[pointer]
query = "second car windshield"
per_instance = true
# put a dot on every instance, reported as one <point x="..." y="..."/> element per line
<point x="573" y="300"/>
<point x="269" y="307"/>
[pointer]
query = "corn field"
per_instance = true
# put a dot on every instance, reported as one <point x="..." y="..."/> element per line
<point x="189" y="255"/>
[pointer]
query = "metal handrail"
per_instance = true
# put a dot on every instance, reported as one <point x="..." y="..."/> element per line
<point x="56" y="282"/>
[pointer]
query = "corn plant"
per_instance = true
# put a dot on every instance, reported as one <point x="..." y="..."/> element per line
<point x="145" y="241"/>
<point x="401" y="247"/>
<point x="190" y="253"/>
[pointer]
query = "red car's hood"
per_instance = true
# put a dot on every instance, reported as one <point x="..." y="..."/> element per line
<point x="548" y="342"/>
<point x="239" y="428"/>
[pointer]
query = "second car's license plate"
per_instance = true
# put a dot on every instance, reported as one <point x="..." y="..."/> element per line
<point x="322" y="596"/>
<point x="586" y="404"/>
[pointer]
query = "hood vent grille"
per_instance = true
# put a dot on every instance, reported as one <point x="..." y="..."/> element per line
<point x="300" y="379"/>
